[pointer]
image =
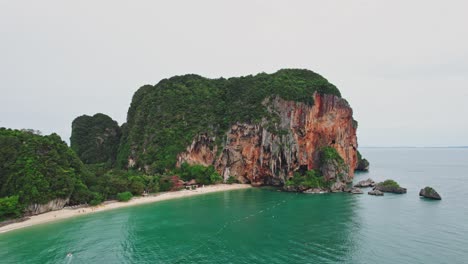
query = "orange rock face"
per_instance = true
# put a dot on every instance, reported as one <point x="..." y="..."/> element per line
<point x="252" y="153"/>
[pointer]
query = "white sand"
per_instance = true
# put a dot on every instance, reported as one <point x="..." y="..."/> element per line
<point x="68" y="213"/>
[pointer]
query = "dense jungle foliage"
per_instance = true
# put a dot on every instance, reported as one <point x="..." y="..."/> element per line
<point x="95" y="139"/>
<point x="35" y="169"/>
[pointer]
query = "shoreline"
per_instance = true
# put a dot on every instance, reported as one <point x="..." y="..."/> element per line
<point x="66" y="213"/>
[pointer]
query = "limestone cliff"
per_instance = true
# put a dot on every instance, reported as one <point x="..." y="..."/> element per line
<point x="259" y="128"/>
<point x="252" y="153"/>
<point x="51" y="205"/>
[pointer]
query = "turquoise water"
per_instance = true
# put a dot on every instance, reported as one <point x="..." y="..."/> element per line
<point x="266" y="226"/>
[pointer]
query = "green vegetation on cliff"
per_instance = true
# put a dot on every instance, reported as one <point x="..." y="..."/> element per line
<point x="36" y="169"/>
<point x="95" y="139"/>
<point x="163" y="119"/>
<point x="199" y="173"/>
<point x="329" y="154"/>
<point x="309" y="179"/>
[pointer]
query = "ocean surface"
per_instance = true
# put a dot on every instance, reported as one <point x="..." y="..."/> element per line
<point x="267" y="226"/>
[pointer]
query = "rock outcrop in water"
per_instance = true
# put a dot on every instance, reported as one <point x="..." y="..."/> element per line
<point x="355" y="190"/>
<point x="375" y="192"/>
<point x="365" y="183"/>
<point x="429" y="192"/>
<point x="362" y="164"/>
<point x="389" y="186"/>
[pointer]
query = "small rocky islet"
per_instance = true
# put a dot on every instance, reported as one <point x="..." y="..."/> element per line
<point x="387" y="186"/>
<point x="429" y="193"/>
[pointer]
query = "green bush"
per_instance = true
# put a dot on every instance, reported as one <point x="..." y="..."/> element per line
<point x="330" y="154"/>
<point x="151" y="183"/>
<point x="137" y="185"/>
<point x="124" y="196"/>
<point x="165" y="184"/>
<point x="10" y="207"/>
<point x="390" y="183"/>
<point x="97" y="199"/>
<point x="310" y="179"/>
<point x="202" y="174"/>
<point x="81" y="194"/>
<point x="215" y="178"/>
<point x="232" y="180"/>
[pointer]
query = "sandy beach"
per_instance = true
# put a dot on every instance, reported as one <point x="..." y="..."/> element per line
<point x="69" y="212"/>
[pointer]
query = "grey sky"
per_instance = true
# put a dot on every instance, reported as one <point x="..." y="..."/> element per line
<point x="403" y="65"/>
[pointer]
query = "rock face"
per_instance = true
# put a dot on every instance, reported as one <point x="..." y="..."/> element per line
<point x="430" y="193"/>
<point x="362" y="165"/>
<point x="365" y="183"/>
<point x="299" y="188"/>
<point x="338" y="186"/>
<point x="252" y="153"/>
<point x="315" y="191"/>
<point x="356" y="191"/>
<point x="52" y="205"/>
<point x="376" y="193"/>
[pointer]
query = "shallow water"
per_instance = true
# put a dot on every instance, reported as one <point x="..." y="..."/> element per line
<point x="266" y="226"/>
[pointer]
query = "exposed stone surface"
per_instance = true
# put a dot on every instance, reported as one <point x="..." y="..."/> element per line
<point x="338" y="186"/>
<point x="362" y="165"/>
<point x="429" y="192"/>
<point x="200" y="152"/>
<point x="315" y="191"/>
<point x="365" y="183"/>
<point x="332" y="170"/>
<point x="253" y="154"/>
<point x="292" y="188"/>
<point x="52" y="205"/>
<point x="376" y="193"/>
<point x="356" y="191"/>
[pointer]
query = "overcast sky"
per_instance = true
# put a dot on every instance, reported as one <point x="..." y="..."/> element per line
<point x="402" y="65"/>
